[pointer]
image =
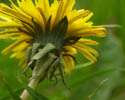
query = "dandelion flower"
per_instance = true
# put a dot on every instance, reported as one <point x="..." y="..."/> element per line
<point x="38" y="23"/>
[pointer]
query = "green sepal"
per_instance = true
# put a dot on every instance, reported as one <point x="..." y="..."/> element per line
<point x="49" y="47"/>
<point x="39" y="53"/>
<point x="24" y="31"/>
<point x="28" y="54"/>
<point x="53" y="68"/>
<point x="24" y="22"/>
<point x="58" y="33"/>
<point x="35" y="48"/>
<point x="43" y="65"/>
<point x="3" y="33"/>
<point x="30" y="31"/>
<point x="48" y="25"/>
<point x="39" y="31"/>
<point x="28" y="57"/>
<point x="70" y="40"/>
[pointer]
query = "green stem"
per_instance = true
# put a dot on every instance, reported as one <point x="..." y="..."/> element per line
<point x="32" y="84"/>
<point x="41" y="69"/>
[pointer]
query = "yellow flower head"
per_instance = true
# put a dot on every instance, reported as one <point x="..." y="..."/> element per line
<point x="39" y="22"/>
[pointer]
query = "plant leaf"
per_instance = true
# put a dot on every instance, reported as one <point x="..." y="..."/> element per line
<point x="35" y="94"/>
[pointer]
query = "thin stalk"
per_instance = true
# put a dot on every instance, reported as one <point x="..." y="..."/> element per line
<point x="32" y="84"/>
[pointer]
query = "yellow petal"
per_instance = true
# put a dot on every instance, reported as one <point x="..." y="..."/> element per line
<point x="22" y="63"/>
<point x="30" y="9"/>
<point x="4" y="17"/>
<point x="11" y="36"/>
<point x="88" y="17"/>
<point x="88" y="41"/>
<point x="16" y="43"/>
<point x="3" y="5"/>
<point x="70" y="50"/>
<point x="13" y="55"/>
<point x="68" y="5"/>
<point x="63" y="7"/>
<point x="86" y="52"/>
<point x="59" y="11"/>
<point x="53" y="11"/>
<point x="18" y="55"/>
<point x="44" y="8"/>
<point x="99" y="32"/>
<point x="77" y="14"/>
<point x="77" y="26"/>
<point x="71" y="60"/>
<point x="68" y="63"/>
<point x="18" y="9"/>
<point x="20" y="50"/>
<point x="21" y="47"/>
<point x="89" y="49"/>
<point x="80" y="24"/>
<point x="5" y="24"/>
<point x="8" y="31"/>
<point x="13" y="14"/>
<point x="8" y="49"/>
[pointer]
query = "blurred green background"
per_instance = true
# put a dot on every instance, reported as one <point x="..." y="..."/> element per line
<point x="83" y="81"/>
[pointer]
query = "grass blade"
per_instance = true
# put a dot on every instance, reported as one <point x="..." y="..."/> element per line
<point x="34" y="94"/>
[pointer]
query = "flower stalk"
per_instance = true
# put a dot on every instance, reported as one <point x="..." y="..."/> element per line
<point x="41" y="68"/>
<point x="32" y="84"/>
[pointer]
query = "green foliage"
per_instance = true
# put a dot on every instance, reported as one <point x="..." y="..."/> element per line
<point x="34" y="94"/>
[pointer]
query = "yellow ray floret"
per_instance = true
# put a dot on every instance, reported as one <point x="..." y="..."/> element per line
<point x="68" y="63"/>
